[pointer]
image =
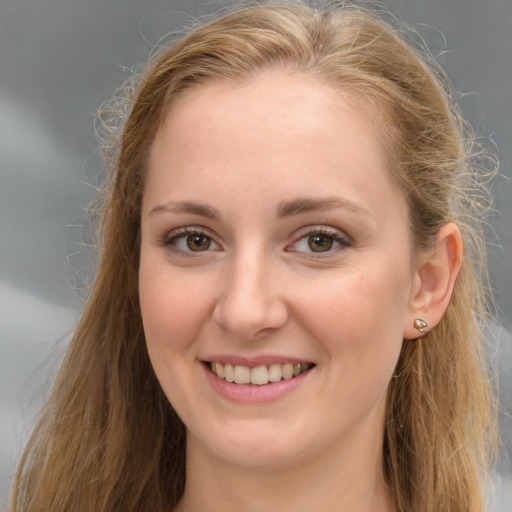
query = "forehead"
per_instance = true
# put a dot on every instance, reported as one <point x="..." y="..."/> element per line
<point x="270" y="102"/>
<point x="285" y="89"/>
<point x="277" y="130"/>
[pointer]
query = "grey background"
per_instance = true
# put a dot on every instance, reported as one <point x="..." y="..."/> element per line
<point x="60" y="59"/>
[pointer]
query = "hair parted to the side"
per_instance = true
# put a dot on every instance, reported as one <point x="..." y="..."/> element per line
<point x="108" y="440"/>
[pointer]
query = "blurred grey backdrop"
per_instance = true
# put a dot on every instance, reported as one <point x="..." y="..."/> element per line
<point x="60" y="59"/>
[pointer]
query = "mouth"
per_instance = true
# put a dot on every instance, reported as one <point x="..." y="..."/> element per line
<point x="258" y="375"/>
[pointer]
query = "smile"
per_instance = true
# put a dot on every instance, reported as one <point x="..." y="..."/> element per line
<point x="258" y="375"/>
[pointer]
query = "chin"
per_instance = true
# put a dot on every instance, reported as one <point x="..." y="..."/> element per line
<point x="257" y="446"/>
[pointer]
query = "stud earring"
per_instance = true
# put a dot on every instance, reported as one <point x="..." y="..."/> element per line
<point x="420" y="324"/>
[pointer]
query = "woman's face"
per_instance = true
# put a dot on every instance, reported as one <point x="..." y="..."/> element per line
<point x="274" y="242"/>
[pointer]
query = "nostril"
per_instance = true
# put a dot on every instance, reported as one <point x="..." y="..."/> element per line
<point x="250" y="306"/>
<point x="250" y="321"/>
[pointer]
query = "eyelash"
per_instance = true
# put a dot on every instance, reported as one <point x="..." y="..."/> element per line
<point x="343" y="241"/>
<point x="171" y="240"/>
<point x="333" y="234"/>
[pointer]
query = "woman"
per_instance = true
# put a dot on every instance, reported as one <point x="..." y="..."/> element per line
<point x="286" y="311"/>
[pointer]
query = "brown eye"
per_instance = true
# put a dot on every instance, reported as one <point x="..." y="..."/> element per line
<point x="190" y="241"/>
<point x="198" y="242"/>
<point x="320" y="242"/>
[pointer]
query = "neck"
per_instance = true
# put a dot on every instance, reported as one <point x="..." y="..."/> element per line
<point x="343" y="478"/>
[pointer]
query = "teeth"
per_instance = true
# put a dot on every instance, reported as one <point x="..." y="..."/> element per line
<point x="287" y="371"/>
<point x="229" y="372"/>
<point x="259" y="375"/>
<point x="219" y="370"/>
<point x="242" y="375"/>
<point x="274" y="372"/>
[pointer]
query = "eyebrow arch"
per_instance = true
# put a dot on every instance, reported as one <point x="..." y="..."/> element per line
<point x="187" y="207"/>
<point x="308" y="204"/>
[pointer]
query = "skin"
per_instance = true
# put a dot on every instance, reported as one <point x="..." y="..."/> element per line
<point x="254" y="286"/>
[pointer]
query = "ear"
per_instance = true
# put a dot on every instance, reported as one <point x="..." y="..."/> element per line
<point x="435" y="277"/>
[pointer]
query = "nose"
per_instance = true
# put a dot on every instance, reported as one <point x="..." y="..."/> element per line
<point x="250" y="305"/>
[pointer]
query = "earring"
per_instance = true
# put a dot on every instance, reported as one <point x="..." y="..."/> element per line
<point x="420" y="324"/>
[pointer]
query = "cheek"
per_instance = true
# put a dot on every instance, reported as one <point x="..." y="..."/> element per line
<point x="359" y="317"/>
<point x="172" y="307"/>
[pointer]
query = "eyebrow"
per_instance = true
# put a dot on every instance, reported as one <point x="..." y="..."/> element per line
<point x="308" y="204"/>
<point x="285" y="208"/>
<point x="188" y="207"/>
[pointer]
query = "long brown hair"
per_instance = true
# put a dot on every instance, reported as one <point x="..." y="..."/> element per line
<point x="108" y="440"/>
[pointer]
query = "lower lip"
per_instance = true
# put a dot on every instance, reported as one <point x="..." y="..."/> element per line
<point x="251" y="393"/>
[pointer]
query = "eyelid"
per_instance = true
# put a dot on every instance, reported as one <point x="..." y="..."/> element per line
<point x="168" y="240"/>
<point x="338" y="236"/>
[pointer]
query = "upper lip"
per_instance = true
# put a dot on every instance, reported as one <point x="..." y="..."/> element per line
<point x="254" y="361"/>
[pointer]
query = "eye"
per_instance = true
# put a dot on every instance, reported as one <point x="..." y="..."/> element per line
<point x="190" y="240"/>
<point x="320" y="241"/>
<point x="196" y="243"/>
